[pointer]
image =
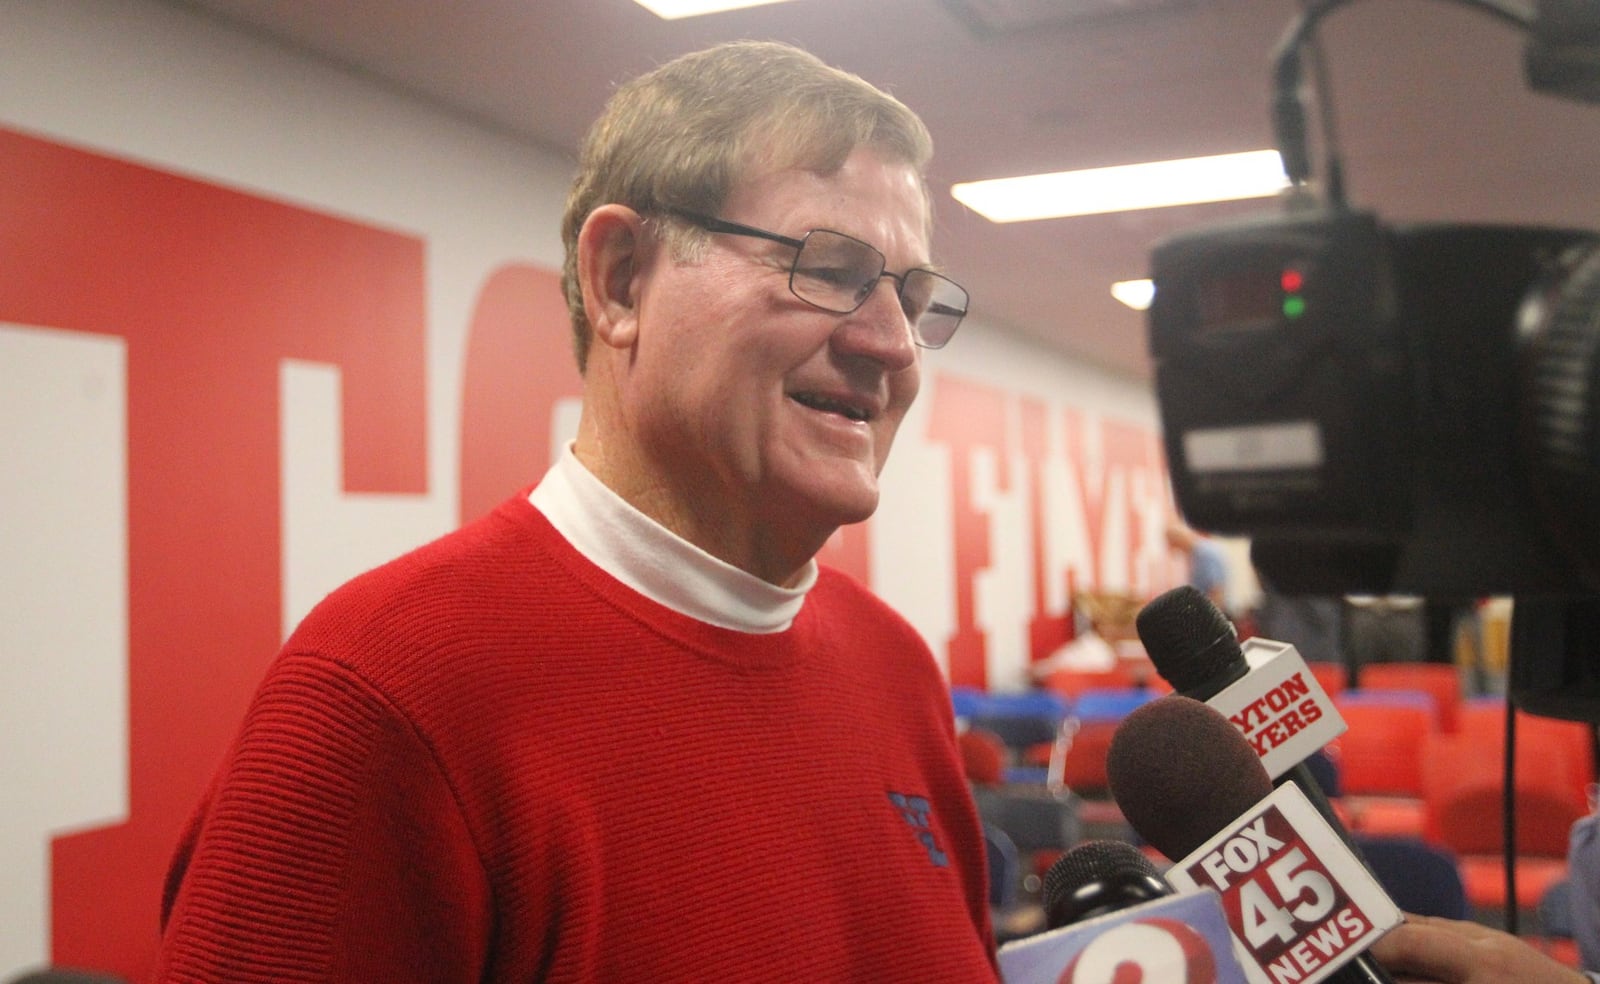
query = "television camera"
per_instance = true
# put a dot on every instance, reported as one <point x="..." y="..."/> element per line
<point x="1400" y="408"/>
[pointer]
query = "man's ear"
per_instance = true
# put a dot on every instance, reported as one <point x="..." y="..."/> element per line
<point x="611" y="260"/>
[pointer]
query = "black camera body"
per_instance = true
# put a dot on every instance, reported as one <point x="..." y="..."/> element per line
<point x="1407" y="409"/>
<point x="1400" y="409"/>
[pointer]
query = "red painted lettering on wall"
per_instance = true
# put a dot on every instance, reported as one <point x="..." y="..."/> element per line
<point x="519" y="364"/>
<point x="210" y="288"/>
<point x="968" y="416"/>
<point x="1047" y="629"/>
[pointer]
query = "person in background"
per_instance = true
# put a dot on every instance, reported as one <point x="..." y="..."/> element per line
<point x="625" y="727"/>
<point x="1313" y="624"/>
<point x="1385" y="629"/>
<point x="1208" y="565"/>
<point x="1583" y="882"/>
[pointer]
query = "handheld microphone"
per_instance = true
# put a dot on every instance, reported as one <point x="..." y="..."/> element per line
<point x="1278" y="704"/>
<point x="1097" y="877"/>
<point x="1301" y="906"/>
<point x="1113" y="918"/>
<point x="1191" y="643"/>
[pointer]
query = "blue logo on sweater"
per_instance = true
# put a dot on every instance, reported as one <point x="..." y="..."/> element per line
<point x="918" y="813"/>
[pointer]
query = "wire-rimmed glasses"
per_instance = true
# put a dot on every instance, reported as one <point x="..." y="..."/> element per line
<point x="837" y="273"/>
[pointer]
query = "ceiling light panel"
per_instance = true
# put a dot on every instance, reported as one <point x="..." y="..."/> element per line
<point x="675" y="9"/>
<point x="1136" y="294"/>
<point x="1157" y="184"/>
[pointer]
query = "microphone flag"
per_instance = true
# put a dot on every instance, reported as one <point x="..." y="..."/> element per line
<point x="1180" y="939"/>
<point x="1279" y="706"/>
<point x="1299" y="903"/>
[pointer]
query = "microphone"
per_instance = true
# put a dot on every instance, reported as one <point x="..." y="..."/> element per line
<point x="1277" y="704"/>
<point x="1300" y="905"/>
<point x="1112" y="918"/>
<point x="1097" y="877"/>
<point x="1191" y="643"/>
<point x="1180" y="772"/>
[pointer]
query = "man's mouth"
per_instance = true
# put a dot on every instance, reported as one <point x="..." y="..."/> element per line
<point x="825" y="404"/>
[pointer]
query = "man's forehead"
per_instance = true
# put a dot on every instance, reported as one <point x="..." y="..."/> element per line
<point x="767" y="174"/>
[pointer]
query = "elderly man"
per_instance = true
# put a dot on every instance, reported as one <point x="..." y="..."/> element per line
<point x="625" y="728"/>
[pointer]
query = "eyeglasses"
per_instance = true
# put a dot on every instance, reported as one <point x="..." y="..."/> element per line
<point x="837" y="273"/>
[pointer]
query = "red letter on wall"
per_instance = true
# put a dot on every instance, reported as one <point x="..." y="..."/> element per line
<point x="967" y="416"/>
<point x="519" y="366"/>
<point x="1046" y="630"/>
<point x="210" y="288"/>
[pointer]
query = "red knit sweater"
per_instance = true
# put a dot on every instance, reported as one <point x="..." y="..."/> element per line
<point x="490" y="761"/>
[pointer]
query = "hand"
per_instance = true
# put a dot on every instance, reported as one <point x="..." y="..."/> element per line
<point x="1431" y="950"/>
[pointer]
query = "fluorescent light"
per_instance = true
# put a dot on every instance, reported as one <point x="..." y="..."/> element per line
<point x="1253" y="174"/>
<point x="674" y="9"/>
<point x="1137" y="294"/>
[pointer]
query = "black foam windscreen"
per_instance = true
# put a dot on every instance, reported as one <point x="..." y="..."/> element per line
<point x="1191" y="643"/>
<point x="1098" y="877"/>
<point x="1095" y="860"/>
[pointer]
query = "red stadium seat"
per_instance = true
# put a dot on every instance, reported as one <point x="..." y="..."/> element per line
<point x="983" y="757"/>
<point x="1441" y="680"/>
<point x="1094" y="719"/>
<point x="1463" y="783"/>
<point x="1330" y="675"/>
<point x="1485" y="718"/>
<point x="1380" y="760"/>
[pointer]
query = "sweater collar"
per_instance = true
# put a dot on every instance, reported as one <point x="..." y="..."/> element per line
<point x="656" y="562"/>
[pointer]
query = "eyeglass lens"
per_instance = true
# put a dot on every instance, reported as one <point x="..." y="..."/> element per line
<point x="837" y="273"/>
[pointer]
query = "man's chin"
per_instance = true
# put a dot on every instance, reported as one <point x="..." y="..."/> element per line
<point x="835" y="507"/>
<point x="858" y="509"/>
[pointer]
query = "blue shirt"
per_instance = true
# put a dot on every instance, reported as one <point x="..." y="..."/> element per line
<point x="1583" y="874"/>
<point x="1208" y="569"/>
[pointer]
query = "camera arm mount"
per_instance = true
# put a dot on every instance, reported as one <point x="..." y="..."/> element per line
<point x="1288" y="111"/>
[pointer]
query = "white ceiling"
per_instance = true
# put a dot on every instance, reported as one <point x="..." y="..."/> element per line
<point x="1433" y="116"/>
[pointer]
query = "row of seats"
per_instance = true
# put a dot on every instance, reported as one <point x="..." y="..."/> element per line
<point x="1031" y="719"/>
<point x="1422" y="765"/>
<point x="1042" y="737"/>
<point x="1441" y="682"/>
<point x="1401" y="774"/>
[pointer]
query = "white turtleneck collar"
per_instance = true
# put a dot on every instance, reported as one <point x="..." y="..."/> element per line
<point x="659" y="564"/>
